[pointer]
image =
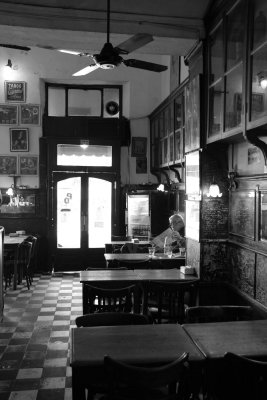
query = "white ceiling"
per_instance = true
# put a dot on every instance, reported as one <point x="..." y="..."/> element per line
<point x="82" y="24"/>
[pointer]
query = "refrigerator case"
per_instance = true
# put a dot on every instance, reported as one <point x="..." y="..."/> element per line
<point x="147" y="214"/>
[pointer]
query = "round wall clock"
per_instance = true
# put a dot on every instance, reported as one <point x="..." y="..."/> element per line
<point x="112" y="108"/>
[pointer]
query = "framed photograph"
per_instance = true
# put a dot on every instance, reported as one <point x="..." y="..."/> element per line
<point x="139" y="145"/>
<point x="15" y="91"/>
<point x="19" y="139"/>
<point x="29" y="114"/>
<point x="8" y="165"/>
<point x="28" y="165"/>
<point x="8" y="114"/>
<point x="141" y="165"/>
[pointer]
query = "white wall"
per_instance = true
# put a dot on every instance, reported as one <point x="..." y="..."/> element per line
<point x="143" y="91"/>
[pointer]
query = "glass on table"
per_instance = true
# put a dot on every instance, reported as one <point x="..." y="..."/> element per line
<point x="151" y="251"/>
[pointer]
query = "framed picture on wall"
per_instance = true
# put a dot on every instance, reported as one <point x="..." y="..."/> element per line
<point x="15" y="91"/>
<point x="8" y="165"/>
<point x="139" y="145"/>
<point x="19" y="139"/>
<point x="29" y="114"/>
<point x="28" y="165"/>
<point x="8" y="114"/>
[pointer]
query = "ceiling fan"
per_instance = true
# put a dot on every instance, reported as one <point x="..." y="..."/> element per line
<point x="110" y="57"/>
<point x="14" y="46"/>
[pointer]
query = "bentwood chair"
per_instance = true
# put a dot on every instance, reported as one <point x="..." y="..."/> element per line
<point x="110" y="299"/>
<point x="244" y="379"/>
<point x="107" y="319"/>
<point x="166" y="301"/>
<point x="220" y="313"/>
<point x="129" y="382"/>
<point x="24" y="261"/>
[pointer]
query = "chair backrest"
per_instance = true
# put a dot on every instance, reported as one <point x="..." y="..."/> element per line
<point x="32" y="239"/>
<point x="25" y="254"/>
<point x="246" y="379"/>
<point x="111" y="318"/>
<point x="218" y="313"/>
<point x="172" y="298"/>
<point x="139" y="383"/>
<point x="106" y="299"/>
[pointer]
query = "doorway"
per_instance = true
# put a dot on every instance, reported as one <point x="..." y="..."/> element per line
<point x="82" y="218"/>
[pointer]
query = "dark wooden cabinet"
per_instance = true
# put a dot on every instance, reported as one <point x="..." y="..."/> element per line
<point x="226" y="89"/>
<point x="167" y="131"/>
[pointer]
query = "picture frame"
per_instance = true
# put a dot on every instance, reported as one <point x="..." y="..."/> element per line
<point x="15" y="91"/>
<point x="8" y="165"/>
<point x="8" y="114"/>
<point x="28" y="165"/>
<point x="19" y="139"/>
<point x="29" y="114"/>
<point x="139" y="146"/>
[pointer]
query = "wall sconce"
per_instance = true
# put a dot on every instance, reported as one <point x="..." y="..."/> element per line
<point x="214" y="190"/>
<point x="161" y="188"/>
<point x="84" y="144"/>
<point x="262" y="78"/>
<point x="9" y="63"/>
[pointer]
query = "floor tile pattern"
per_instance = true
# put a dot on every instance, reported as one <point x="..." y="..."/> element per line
<point x="34" y="338"/>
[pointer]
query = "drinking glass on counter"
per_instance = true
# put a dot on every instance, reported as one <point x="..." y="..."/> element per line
<point x="151" y="251"/>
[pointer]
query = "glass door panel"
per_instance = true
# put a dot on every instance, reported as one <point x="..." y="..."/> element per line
<point x="69" y="213"/>
<point x="99" y="212"/>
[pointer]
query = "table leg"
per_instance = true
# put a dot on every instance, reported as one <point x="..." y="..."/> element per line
<point x="78" y="390"/>
<point x="15" y="278"/>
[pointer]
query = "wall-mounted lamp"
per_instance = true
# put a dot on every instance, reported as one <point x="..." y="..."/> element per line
<point x="161" y="188"/>
<point x="214" y="190"/>
<point x="9" y="63"/>
<point x="262" y="78"/>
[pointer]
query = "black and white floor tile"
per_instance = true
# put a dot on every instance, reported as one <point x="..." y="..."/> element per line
<point x="34" y="338"/>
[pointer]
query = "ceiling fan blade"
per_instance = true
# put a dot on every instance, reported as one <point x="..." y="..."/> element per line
<point x="145" y="65"/>
<point x="16" y="47"/>
<point x="75" y="53"/>
<point x="86" y="70"/>
<point x="133" y="43"/>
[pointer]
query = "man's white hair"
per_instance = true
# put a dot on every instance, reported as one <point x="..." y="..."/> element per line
<point x="176" y="218"/>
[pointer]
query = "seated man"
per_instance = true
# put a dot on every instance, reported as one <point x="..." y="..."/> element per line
<point x="174" y="234"/>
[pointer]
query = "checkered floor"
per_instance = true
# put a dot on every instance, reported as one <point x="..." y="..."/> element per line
<point x="34" y="338"/>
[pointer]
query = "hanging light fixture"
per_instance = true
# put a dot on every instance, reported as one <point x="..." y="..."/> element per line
<point x="214" y="190"/>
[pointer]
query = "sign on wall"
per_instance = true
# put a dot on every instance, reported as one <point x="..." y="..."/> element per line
<point x="15" y="91"/>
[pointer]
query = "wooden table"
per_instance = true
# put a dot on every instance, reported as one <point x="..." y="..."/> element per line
<point x="129" y="277"/>
<point x="140" y="345"/>
<point x="245" y="338"/>
<point x="176" y="260"/>
<point x="13" y="242"/>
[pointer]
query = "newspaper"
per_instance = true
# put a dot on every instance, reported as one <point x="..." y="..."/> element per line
<point x="160" y="239"/>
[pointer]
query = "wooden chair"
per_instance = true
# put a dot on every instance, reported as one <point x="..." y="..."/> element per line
<point x="244" y="379"/>
<point x="217" y="313"/>
<point x="110" y="319"/>
<point x="111" y="299"/>
<point x="164" y="382"/>
<point x="24" y="261"/>
<point x="107" y="319"/>
<point x="34" y="254"/>
<point x="166" y="301"/>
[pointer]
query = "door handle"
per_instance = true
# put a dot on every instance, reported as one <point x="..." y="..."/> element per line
<point x="84" y="222"/>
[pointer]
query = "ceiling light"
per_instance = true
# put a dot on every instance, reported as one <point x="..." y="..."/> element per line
<point x="214" y="190"/>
